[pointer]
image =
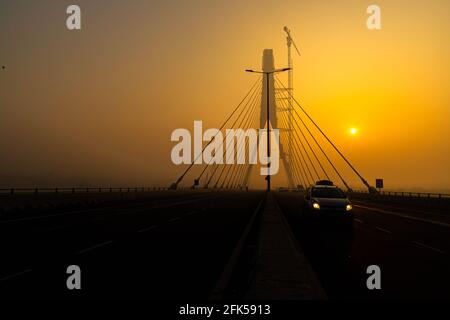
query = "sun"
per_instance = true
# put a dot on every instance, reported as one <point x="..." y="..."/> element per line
<point x="353" y="131"/>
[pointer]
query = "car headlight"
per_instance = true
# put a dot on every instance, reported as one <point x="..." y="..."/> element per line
<point x="348" y="207"/>
<point x="316" y="205"/>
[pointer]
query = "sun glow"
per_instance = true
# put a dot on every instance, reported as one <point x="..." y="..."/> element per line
<point x="353" y="131"/>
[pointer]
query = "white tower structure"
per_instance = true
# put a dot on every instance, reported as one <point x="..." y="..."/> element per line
<point x="268" y="65"/>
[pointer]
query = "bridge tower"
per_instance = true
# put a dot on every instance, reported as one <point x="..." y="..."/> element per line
<point x="268" y="65"/>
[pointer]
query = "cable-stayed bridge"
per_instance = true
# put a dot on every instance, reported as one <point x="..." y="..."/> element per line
<point x="210" y="236"/>
<point x="305" y="159"/>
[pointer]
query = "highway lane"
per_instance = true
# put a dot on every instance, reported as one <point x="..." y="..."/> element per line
<point x="175" y="245"/>
<point x="33" y="207"/>
<point x="421" y="212"/>
<point x="411" y="249"/>
<point x="431" y="233"/>
<point x="32" y="236"/>
<point x="156" y="249"/>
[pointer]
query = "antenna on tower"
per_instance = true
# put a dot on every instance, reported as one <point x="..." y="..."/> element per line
<point x="290" y="40"/>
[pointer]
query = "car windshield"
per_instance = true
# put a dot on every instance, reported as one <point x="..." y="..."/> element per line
<point x="327" y="193"/>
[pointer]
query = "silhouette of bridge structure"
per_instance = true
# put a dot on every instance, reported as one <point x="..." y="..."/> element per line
<point x="221" y="240"/>
<point x="304" y="157"/>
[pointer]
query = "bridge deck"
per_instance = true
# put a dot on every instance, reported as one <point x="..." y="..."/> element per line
<point x="175" y="245"/>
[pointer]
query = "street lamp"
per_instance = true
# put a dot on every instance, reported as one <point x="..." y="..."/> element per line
<point x="268" y="120"/>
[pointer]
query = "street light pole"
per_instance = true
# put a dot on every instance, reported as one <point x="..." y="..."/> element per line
<point x="268" y="135"/>
<point x="268" y="118"/>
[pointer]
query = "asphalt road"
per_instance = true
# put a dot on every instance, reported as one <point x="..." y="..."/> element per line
<point x="411" y="247"/>
<point x="173" y="247"/>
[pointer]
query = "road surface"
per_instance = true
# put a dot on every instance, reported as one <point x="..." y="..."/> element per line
<point x="412" y="249"/>
<point x="175" y="245"/>
<point x="165" y="247"/>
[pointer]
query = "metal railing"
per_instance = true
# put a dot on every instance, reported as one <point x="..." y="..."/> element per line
<point x="408" y="194"/>
<point x="73" y="190"/>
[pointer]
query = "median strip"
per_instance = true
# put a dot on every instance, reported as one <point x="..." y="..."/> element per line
<point x="225" y="277"/>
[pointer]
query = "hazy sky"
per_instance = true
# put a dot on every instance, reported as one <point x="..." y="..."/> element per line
<point x="97" y="106"/>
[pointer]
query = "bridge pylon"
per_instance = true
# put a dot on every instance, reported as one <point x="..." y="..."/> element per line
<point x="268" y="65"/>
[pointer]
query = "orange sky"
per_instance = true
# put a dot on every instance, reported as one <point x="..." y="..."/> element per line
<point x="97" y="106"/>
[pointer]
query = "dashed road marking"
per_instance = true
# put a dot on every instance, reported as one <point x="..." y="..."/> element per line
<point x="100" y="219"/>
<point x="358" y="220"/>
<point x="420" y="244"/>
<point x="174" y="219"/>
<point x="148" y="229"/>
<point x="51" y="229"/>
<point x="439" y="223"/>
<point x="96" y="210"/>
<point x="15" y="275"/>
<point x="94" y="247"/>
<point x="383" y="230"/>
<point x="169" y="205"/>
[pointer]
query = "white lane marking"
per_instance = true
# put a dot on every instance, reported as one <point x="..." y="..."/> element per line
<point x="191" y="213"/>
<point x="173" y="204"/>
<point x="174" y="219"/>
<point x="15" y="275"/>
<point x="168" y="205"/>
<point x="50" y="229"/>
<point x="358" y="220"/>
<point x="43" y="217"/>
<point x="412" y="210"/>
<point x="405" y="216"/>
<point x="94" y="247"/>
<point x="100" y="219"/>
<point x="148" y="229"/>
<point x="420" y="244"/>
<point x="383" y="230"/>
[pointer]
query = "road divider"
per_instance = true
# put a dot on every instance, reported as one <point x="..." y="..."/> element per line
<point x="224" y="280"/>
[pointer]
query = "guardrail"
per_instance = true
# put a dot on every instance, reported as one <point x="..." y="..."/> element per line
<point x="14" y="191"/>
<point x="407" y="194"/>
